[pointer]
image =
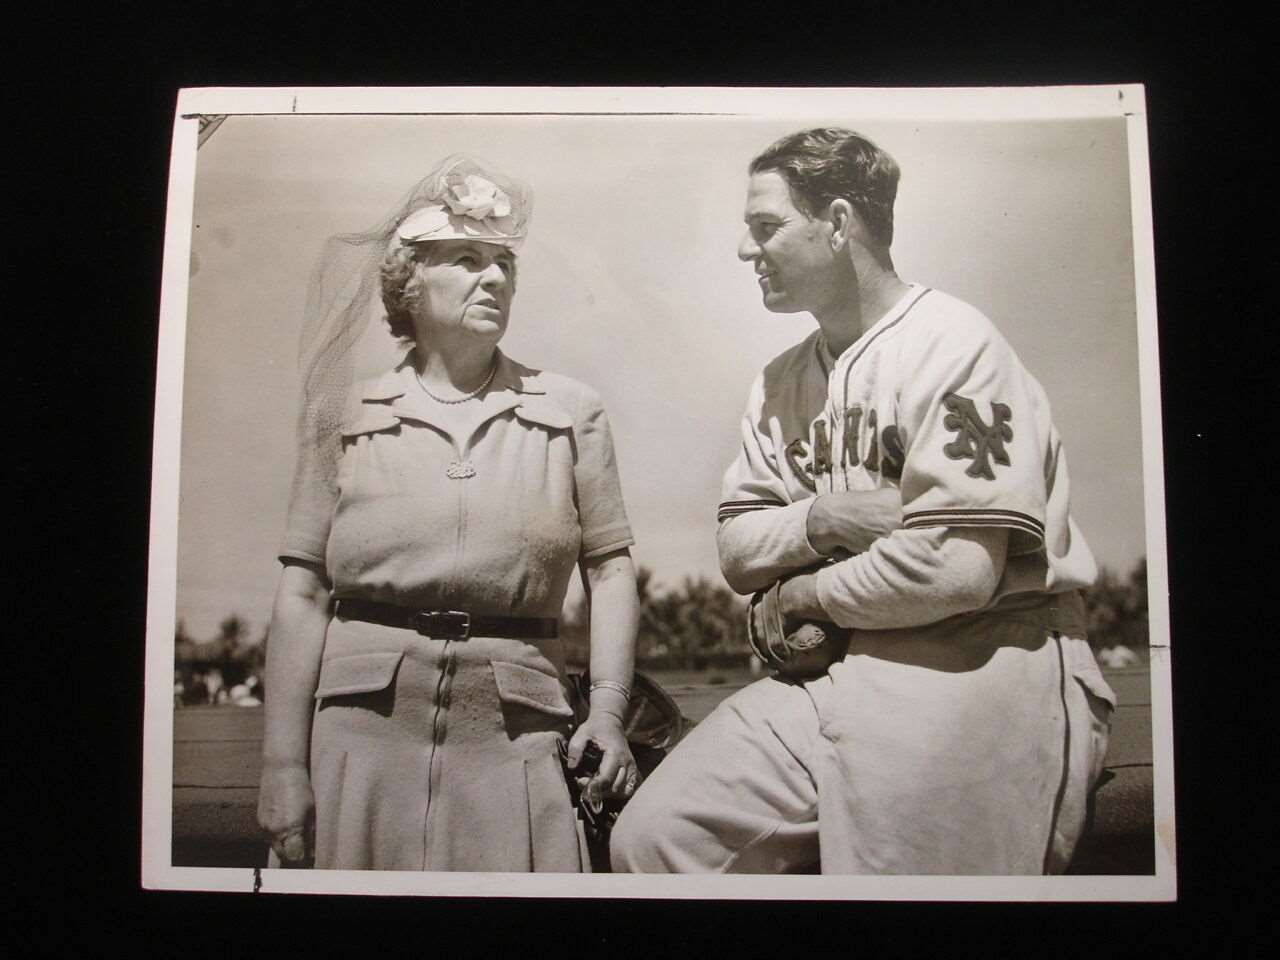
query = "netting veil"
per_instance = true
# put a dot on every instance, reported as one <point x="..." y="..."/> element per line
<point x="463" y="197"/>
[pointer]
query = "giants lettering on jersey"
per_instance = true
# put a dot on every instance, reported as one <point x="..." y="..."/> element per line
<point x="885" y="454"/>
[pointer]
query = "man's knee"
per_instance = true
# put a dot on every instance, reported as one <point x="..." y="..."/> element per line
<point x="639" y="837"/>
<point x="659" y="831"/>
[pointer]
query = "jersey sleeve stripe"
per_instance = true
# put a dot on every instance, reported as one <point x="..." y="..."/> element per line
<point x="974" y="518"/>
<point x="731" y="508"/>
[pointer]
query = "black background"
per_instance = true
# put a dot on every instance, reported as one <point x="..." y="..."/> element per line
<point x="90" y="123"/>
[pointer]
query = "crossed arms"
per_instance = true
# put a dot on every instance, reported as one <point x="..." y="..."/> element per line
<point x="884" y="577"/>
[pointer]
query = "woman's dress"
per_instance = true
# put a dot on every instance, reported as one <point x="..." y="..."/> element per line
<point x="441" y="754"/>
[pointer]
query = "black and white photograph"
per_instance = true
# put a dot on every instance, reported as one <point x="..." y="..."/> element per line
<point x="729" y="493"/>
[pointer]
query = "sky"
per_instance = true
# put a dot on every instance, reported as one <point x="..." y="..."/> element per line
<point x="629" y="281"/>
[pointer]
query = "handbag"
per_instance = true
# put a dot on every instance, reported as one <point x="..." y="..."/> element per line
<point x="653" y="725"/>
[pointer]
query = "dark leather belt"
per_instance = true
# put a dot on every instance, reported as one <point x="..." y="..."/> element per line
<point x="448" y="624"/>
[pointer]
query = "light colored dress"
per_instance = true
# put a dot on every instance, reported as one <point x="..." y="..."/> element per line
<point x="435" y="754"/>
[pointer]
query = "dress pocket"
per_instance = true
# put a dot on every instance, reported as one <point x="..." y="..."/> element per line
<point x="531" y="688"/>
<point x="532" y="702"/>
<point x="357" y="673"/>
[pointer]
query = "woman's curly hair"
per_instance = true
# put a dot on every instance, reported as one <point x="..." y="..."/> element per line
<point x="401" y="286"/>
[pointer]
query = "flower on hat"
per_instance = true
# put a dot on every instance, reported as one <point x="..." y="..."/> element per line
<point x="477" y="197"/>
<point x="423" y="222"/>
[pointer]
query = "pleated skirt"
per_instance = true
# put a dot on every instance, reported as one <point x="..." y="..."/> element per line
<point x="431" y="754"/>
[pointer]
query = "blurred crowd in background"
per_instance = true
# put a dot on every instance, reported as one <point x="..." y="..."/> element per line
<point x="226" y="669"/>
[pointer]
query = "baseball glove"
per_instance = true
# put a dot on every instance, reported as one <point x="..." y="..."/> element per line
<point x="794" y="648"/>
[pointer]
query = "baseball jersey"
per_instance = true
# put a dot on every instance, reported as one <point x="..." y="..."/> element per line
<point x="931" y="400"/>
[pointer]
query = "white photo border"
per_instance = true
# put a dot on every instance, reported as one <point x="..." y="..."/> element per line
<point x="992" y="103"/>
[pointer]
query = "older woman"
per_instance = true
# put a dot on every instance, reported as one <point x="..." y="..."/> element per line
<point x="418" y="692"/>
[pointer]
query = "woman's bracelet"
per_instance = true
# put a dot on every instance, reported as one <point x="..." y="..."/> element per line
<point x="614" y="685"/>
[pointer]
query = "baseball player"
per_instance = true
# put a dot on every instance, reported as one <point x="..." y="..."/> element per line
<point x="899" y="509"/>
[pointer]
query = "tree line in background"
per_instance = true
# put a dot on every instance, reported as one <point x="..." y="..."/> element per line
<point x="700" y="623"/>
<point x="1117" y="609"/>
<point x="694" y="625"/>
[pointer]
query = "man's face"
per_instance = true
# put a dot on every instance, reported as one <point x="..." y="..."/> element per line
<point x="791" y="251"/>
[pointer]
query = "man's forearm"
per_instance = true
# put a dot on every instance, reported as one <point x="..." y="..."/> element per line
<point x="759" y="547"/>
<point x="909" y="578"/>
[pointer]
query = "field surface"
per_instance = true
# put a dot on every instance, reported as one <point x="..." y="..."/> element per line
<point x="217" y="761"/>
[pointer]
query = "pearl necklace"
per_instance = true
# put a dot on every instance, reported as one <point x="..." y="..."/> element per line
<point x="463" y="399"/>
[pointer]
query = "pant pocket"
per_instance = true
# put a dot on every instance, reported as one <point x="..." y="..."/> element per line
<point x="1100" y="711"/>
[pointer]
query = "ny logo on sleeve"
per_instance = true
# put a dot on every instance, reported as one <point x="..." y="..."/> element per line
<point x="974" y="439"/>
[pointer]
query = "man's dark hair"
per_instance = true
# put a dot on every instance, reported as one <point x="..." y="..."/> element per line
<point x="829" y="163"/>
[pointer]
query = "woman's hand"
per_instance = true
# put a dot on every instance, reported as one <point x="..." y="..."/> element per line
<point x="618" y="774"/>
<point x="849" y="522"/>
<point x="286" y="813"/>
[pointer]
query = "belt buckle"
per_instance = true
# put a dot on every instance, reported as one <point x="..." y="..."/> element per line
<point x="443" y="624"/>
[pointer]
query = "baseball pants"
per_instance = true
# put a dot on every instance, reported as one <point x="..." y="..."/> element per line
<point x="883" y="767"/>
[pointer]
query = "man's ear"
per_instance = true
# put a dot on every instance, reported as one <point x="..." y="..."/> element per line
<point x="845" y="223"/>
